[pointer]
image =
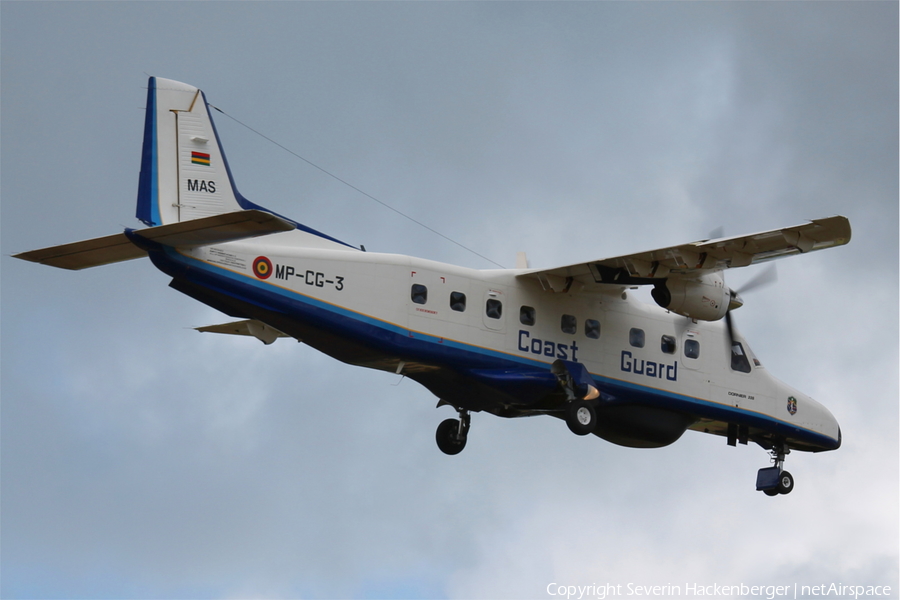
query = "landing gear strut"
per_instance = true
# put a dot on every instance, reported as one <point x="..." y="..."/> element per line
<point x="577" y="383"/>
<point x="451" y="434"/>
<point x="775" y="480"/>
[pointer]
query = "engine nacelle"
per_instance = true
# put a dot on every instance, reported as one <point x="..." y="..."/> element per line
<point x="705" y="298"/>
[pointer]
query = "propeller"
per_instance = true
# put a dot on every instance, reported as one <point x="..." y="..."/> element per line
<point x="767" y="276"/>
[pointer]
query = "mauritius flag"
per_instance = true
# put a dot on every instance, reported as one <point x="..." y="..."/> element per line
<point x="199" y="158"/>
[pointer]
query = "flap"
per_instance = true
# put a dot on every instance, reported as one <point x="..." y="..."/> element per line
<point x="698" y="258"/>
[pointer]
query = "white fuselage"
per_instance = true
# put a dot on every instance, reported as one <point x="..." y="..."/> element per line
<point x="621" y="341"/>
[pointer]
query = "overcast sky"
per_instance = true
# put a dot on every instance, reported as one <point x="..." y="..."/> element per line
<point x="143" y="459"/>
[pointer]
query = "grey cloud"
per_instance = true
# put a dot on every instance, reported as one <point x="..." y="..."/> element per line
<point x="142" y="459"/>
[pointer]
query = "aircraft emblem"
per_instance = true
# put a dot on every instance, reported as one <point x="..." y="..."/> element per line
<point x="792" y="405"/>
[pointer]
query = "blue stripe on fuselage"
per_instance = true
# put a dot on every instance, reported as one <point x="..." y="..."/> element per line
<point x="389" y="338"/>
<point x="712" y="410"/>
<point x="392" y="340"/>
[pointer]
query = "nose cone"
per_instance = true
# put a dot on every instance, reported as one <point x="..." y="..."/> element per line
<point x="817" y="429"/>
<point x="832" y="425"/>
<point x="823" y="421"/>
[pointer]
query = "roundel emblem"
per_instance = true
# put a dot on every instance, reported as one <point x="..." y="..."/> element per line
<point x="262" y="267"/>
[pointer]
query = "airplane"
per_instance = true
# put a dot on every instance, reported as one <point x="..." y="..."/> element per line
<point x="570" y="342"/>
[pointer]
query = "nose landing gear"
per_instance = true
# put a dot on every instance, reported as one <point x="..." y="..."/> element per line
<point x="451" y="434"/>
<point x="773" y="481"/>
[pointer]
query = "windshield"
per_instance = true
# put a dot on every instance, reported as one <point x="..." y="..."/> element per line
<point x="739" y="360"/>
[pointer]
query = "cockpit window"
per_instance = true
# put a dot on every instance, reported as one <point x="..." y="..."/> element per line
<point x="739" y="360"/>
<point x="749" y="352"/>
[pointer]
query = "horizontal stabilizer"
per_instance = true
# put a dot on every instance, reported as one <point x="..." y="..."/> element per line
<point x="88" y="253"/>
<point x="218" y="229"/>
<point x="257" y="329"/>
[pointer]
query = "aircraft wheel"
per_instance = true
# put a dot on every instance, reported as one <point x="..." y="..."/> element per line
<point x="448" y="439"/>
<point x="785" y="483"/>
<point x="581" y="417"/>
<point x="770" y="492"/>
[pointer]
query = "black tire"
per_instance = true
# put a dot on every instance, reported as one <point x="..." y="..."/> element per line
<point x="581" y="417"/>
<point x="770" y="492"/>
<point x="785" y="483"/>
<point x="447" y="437"/>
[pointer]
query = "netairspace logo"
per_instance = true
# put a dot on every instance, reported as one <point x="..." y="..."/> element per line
<point x="715" y="590"/>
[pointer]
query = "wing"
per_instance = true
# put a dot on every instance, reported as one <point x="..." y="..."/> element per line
<point x="698" y="258"/>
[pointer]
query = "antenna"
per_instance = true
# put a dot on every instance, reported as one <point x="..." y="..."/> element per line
<point x="353" y="187"/>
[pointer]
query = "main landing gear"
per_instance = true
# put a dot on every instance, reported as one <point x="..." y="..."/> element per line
<point x="577" y="383"/>
<point x="451" y="434"/>
<point x="775" y="480"/>
<point x="580" y="417"/>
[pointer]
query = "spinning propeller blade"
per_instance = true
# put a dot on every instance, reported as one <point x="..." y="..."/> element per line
<point x="767" y="276"/>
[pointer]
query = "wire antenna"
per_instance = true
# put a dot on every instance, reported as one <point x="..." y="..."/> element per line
<point x="353" y="187"/>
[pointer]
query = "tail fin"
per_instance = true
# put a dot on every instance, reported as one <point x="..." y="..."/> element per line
<point x="184" y="175"/>
<point x="186" y="194"/>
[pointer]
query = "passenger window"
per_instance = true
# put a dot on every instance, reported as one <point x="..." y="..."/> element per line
<point x="458" y="301"/>
<point x="636" y="337"/>
<point x="569" y="324"/>
<point x="526" y="315"/>
<point x="592" y="328"/>
<point x="419" y="294"/>
<point x="494" y="308"/>
<point x="667" y="344"/>
<point x="692" y="349"/>
<point x="739" y="360"/>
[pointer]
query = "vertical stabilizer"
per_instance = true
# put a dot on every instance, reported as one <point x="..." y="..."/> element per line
<point x="184" y="175"/>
